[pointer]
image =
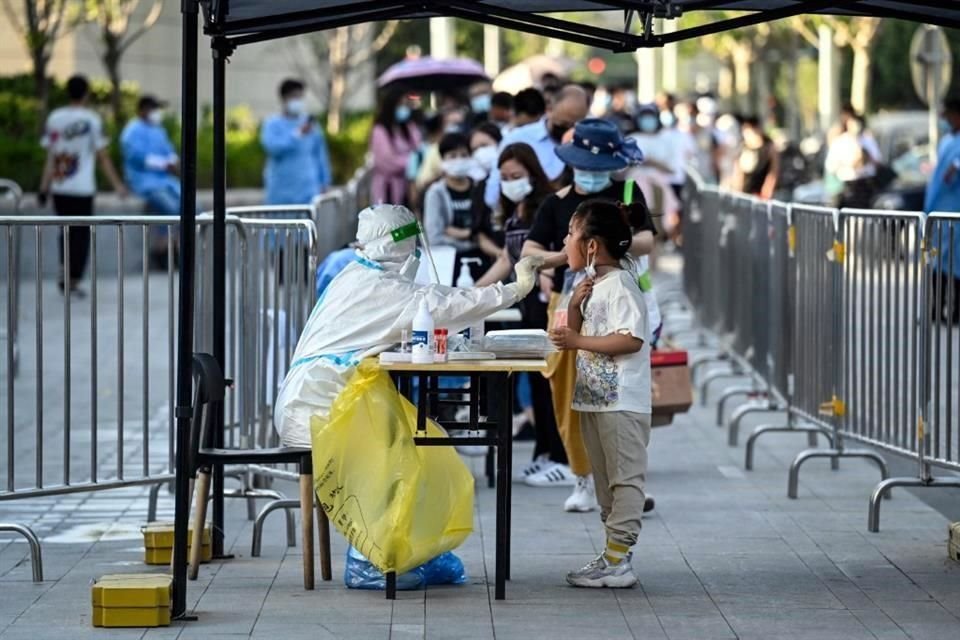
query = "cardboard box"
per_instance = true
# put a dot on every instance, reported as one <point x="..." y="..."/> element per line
<point x="132" y="600"/>
<point x="158" y="543"/>
<point x="671" y="389"/>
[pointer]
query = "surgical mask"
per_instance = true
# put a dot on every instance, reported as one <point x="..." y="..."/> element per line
<point x="485" y="157"/>
<point x="402" y="113"/>
<point x="591" y="268"/>
<point x="295" y="106"/>
<point x="667" y="119"/>
<point x="457" y="167"/>
<point x="591" y="181"/>
<point x="647" y="123"/>
<point x="155" y="116"/>
<point x="556" y="132"/>
<point x="516" y="190"/>
<point x="481" y="103"/>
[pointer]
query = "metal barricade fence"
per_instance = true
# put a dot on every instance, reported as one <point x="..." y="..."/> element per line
<point x="10" y="198"/>
<point x="124" y="437"/>
<point x="940" y="316"/>
<point x="336" y="222"/>
<point x="930" y="429"/>
<point x="694" y="246"/>
<point x="851" y="323"/>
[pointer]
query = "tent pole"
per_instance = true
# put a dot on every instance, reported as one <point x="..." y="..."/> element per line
<point x="188" y="222"/>
<point x="220" y="52"/>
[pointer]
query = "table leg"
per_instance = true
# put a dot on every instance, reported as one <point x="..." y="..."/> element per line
<point x="503" y="506"/>
<point x="391" y="585"/>
<point x="490" y="405"/>
<point x="506" y="438"/>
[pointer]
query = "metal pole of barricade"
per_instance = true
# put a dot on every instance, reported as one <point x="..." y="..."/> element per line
<point x="931" y="435"/>
<point x="728" y="291"/>
<point x="857" y="266"/>
<point x="11" y="192"/>
<point x="710" y="312"/>
<point x="750" y="247"/>
<point x="782" y="318"/>
<point x="763" y="395"/>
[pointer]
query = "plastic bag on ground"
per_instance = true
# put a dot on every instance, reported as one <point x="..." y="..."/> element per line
<point x="400" y="505"/>
<point x="446" y="568"/>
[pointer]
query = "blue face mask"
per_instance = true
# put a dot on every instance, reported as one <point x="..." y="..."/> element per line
<point x="402" y="113"/>
<point x="481" y="103"/>
<point x="648" y="123"/>
<point x="591" y="181"/>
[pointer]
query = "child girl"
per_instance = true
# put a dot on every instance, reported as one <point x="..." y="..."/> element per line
<point x="607" y="325"/>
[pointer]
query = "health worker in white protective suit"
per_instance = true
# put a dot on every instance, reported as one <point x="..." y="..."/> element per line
<point x="364" y="309"/>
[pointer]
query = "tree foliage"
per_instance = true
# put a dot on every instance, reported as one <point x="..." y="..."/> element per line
<point x="114" y="21"/>
<point x="39" y="26"/>
<point x="339" y="51"/>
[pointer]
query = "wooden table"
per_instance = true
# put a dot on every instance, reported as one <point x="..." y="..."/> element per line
<point x="498" y="429"/>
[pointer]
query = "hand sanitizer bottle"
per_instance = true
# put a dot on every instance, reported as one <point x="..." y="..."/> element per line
<point x="421" y="348"/>
<point x="473" y="335"/>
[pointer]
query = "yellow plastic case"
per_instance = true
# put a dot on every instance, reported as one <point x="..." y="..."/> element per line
<point x="158" y="543"/>
<point x="132" y="600"/>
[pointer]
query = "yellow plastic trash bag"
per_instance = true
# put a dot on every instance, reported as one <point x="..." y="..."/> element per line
<point x="400" y="505"/>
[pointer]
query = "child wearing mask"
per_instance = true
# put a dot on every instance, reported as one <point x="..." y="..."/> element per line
<point x="596" y="153"/>
<point x="607" y="328"/>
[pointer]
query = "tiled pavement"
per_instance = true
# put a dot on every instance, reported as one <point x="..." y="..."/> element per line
<point x="725" y="555"/>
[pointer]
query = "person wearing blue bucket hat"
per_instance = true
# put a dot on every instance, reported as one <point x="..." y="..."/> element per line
<point x="596" y="152"/>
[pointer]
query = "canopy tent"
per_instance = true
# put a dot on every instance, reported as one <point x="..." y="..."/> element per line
<point x="244" y="21"/>
<point x="232" y="23"/>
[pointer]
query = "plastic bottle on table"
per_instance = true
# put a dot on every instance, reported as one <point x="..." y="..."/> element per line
<point x="421" y="350"/>
<point x="473" y="335"/>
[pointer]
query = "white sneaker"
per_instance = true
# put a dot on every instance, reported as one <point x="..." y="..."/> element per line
<point x="583" y="498"/>
<point x="558" y="475"/>
<point x="537" y="465"/>
<point x="470" y="450"/>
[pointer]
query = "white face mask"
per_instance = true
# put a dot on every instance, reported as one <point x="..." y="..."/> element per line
<point x="486" y="157"/>
<point x="155" y="116"/>
<point x="458" y="167"/>
<point x="591" y="268"/>
<point x="295" y="106"/>
<point x="516" y="190"/>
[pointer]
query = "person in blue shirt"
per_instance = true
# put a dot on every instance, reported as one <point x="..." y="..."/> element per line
<point x="150" y="163"/>
<point x="544" y="137"/>
<point x="943" y="195"/>
<point x="298" y="165"/>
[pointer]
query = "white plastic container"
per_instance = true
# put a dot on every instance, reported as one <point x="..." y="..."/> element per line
<point x="421" y="351"/>
<point x="473" y="335"/>
<point x="465" y="279"/>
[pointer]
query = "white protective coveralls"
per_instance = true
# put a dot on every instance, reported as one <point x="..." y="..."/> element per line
<point x="363" y="311"/>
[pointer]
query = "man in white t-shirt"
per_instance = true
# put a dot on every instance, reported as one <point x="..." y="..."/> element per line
<point x="74" y="140"/>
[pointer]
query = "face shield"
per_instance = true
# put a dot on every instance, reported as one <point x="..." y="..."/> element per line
<point x="388" y="236"/>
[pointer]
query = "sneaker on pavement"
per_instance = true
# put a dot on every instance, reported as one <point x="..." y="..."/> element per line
<point x="600" y="573"/>
<point x="558" y="475"/>
<point x="648" y="504"/>
<point x="471" y="450"/>
<point x="583" y="498"/>
<point x="534" y="467"/>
